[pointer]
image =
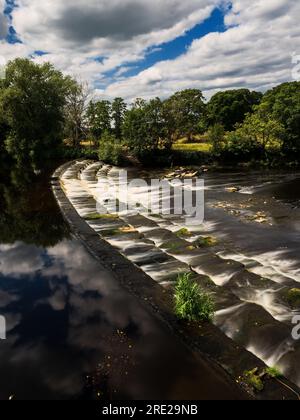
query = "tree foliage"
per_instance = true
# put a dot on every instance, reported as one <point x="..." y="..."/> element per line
<point x="118" y="109"/>
<point x="185" y="111"/>
<point x="33" y="98"/>
<point x="262" y="129"/>
<point x="230" y="108"/>
<point x="75" y="113"/>
<point x="283" y="106"/>
<point x="144" y="127"/>
<point x="110" y="149"/>
<point x="99" y="118"/>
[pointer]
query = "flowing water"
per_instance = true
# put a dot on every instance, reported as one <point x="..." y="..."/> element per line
<point x="72" y="332"/>
<point x="246" y="252"/>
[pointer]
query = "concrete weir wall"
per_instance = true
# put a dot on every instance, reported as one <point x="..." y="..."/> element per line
<point x="229" y="358"/>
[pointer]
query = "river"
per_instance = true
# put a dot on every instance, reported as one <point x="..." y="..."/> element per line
<point x="72" y="331"/>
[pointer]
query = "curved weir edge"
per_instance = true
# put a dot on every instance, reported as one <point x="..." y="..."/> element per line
<point x="227" y="357"/>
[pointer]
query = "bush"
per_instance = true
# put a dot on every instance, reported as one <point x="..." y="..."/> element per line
<point x="155" y="158"/>
<point x="111" y="150"/>
<point x="70" y="153"/>
<point x="240" y="149"/>
<point x="192" y="303"/>
<point x="186" y="158"/>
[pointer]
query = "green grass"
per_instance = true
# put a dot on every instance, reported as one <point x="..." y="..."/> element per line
<point x="172" y="246"/>
<point x="274" y="372"/>
<point x="208" y="241"/>
<point x="97" y="216"/>
<point x="191" y="302"/>
<point x="192" y="147"/>
<point x="183" y="232"/>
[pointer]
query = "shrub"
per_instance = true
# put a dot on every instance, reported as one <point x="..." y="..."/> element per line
<point x="111" y="150"/>
<point x="240" y="148"/>
<point x="192" y="303"/>
<point x="254" y="380"/>
<point x="69" y="152"/>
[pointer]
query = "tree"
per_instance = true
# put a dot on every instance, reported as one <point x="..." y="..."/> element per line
<point x="34" y="98"/>
<point x="118" y="109"/>
<point x="231" y="107"/>
<point x="283" y="105"/>
<point x="262" y="130"/>
<point x="111" y="150"/>
<point x="75" y="112"/>
<point x="135" y="129"/>
<point x="144" y="127"/>
<point x="185" y="111"/>
<point x="216" y="135"/>
<point x="99" y="118"/>
<point x="3" y="124"/>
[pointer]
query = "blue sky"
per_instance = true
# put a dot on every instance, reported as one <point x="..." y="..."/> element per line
<point x="11" y="35"/>
<point x="178" y="46"/>
<point x="137" y="48"/>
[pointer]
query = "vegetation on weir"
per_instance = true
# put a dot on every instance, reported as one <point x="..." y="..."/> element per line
<point x="191" y="302"/>
<point x="45" y="115"/>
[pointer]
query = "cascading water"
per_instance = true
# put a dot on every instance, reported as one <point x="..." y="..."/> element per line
<point x="253" y="263"/>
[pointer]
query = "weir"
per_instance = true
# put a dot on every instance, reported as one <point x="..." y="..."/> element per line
<point x="252" y="293"/>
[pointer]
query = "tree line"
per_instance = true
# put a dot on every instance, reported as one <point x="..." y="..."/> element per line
<point x="44" y="114"/>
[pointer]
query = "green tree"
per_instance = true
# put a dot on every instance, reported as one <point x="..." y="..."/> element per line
<point x="75" y="112"/>
<point x="283" y="105"/>
<point x="3" y="124"/>
<point x="144" y="127"/>
<point x="185" y="110"/>
<point x="110" y="149"/>
<point x="99" y="118"/>
<point x="118" y="109"/>
<point x="230" y="108"/>
<point x="262" y="130"/>
<point x="33" y="99"/>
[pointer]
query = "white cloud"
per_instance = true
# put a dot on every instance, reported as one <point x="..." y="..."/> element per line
<point x="255" y="51"/>
<point x="75" y="32"/>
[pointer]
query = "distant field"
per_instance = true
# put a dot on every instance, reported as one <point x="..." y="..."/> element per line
<point x="181" y="145"/>
<point x="192" y="147"/>
<point x="86" y="143"/>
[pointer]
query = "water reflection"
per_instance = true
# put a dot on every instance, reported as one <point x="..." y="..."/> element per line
<point x="28" y="210"/>
<point x="72" y="333"/>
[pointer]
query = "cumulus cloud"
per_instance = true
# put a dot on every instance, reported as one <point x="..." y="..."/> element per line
<point x="84" y="23"/>
<point x="90" y="39"/>
<point x="255" y="51"/>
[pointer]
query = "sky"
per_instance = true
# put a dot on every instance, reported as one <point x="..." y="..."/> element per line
<point x="142" y="48"/>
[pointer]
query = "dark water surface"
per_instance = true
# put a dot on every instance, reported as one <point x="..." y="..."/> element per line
<point x="72" y="332"/>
